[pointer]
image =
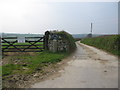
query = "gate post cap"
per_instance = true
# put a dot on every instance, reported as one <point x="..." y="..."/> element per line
<point x="47" y="33"/>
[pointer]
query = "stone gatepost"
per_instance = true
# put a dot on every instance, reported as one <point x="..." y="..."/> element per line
<point x="55" y="43"/>
<point x="52" y="42"/>
<point x="46" y="38"/>
<point x="54" y="46"/>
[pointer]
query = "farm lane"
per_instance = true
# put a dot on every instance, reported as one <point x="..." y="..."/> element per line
<point x="88" y="68"/>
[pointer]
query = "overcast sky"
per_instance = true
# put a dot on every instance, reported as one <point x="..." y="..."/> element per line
<point x="35" y="16"/>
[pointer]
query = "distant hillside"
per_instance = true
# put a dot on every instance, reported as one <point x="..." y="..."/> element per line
<point x="83" y="35"/>
<point x="22" y="35"/>
<point x="38" y="35"/>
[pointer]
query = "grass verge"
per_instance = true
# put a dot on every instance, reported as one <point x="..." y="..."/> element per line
<point x="26" y="64"/>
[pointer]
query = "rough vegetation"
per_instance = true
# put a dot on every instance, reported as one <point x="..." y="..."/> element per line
<point x="110" y="43"/>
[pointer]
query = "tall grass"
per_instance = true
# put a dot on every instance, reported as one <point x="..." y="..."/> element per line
<point x="109" y="43"/>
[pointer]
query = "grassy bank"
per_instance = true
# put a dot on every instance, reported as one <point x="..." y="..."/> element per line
<point x="27" y="64"/>
<point x="108" y="43"/>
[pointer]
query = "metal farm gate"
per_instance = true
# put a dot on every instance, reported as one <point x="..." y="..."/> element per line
<point x="22" y="44"/>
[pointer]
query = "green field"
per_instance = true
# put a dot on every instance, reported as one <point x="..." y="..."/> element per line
<point x="110" y="43"/>
<point x="38" y="44"/>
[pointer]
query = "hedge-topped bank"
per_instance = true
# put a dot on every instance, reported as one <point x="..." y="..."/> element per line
<point x="69" y="38"/>
<point x="110" y="43"/>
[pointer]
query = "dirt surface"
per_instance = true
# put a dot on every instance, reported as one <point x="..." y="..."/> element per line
<point x="26" y="80"/>
<point x="88" y="67"/>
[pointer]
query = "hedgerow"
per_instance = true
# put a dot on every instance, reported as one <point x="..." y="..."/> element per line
<point x="110" y="43"/>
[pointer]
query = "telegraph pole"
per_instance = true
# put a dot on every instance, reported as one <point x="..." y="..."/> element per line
<point x="91" y="27"/>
